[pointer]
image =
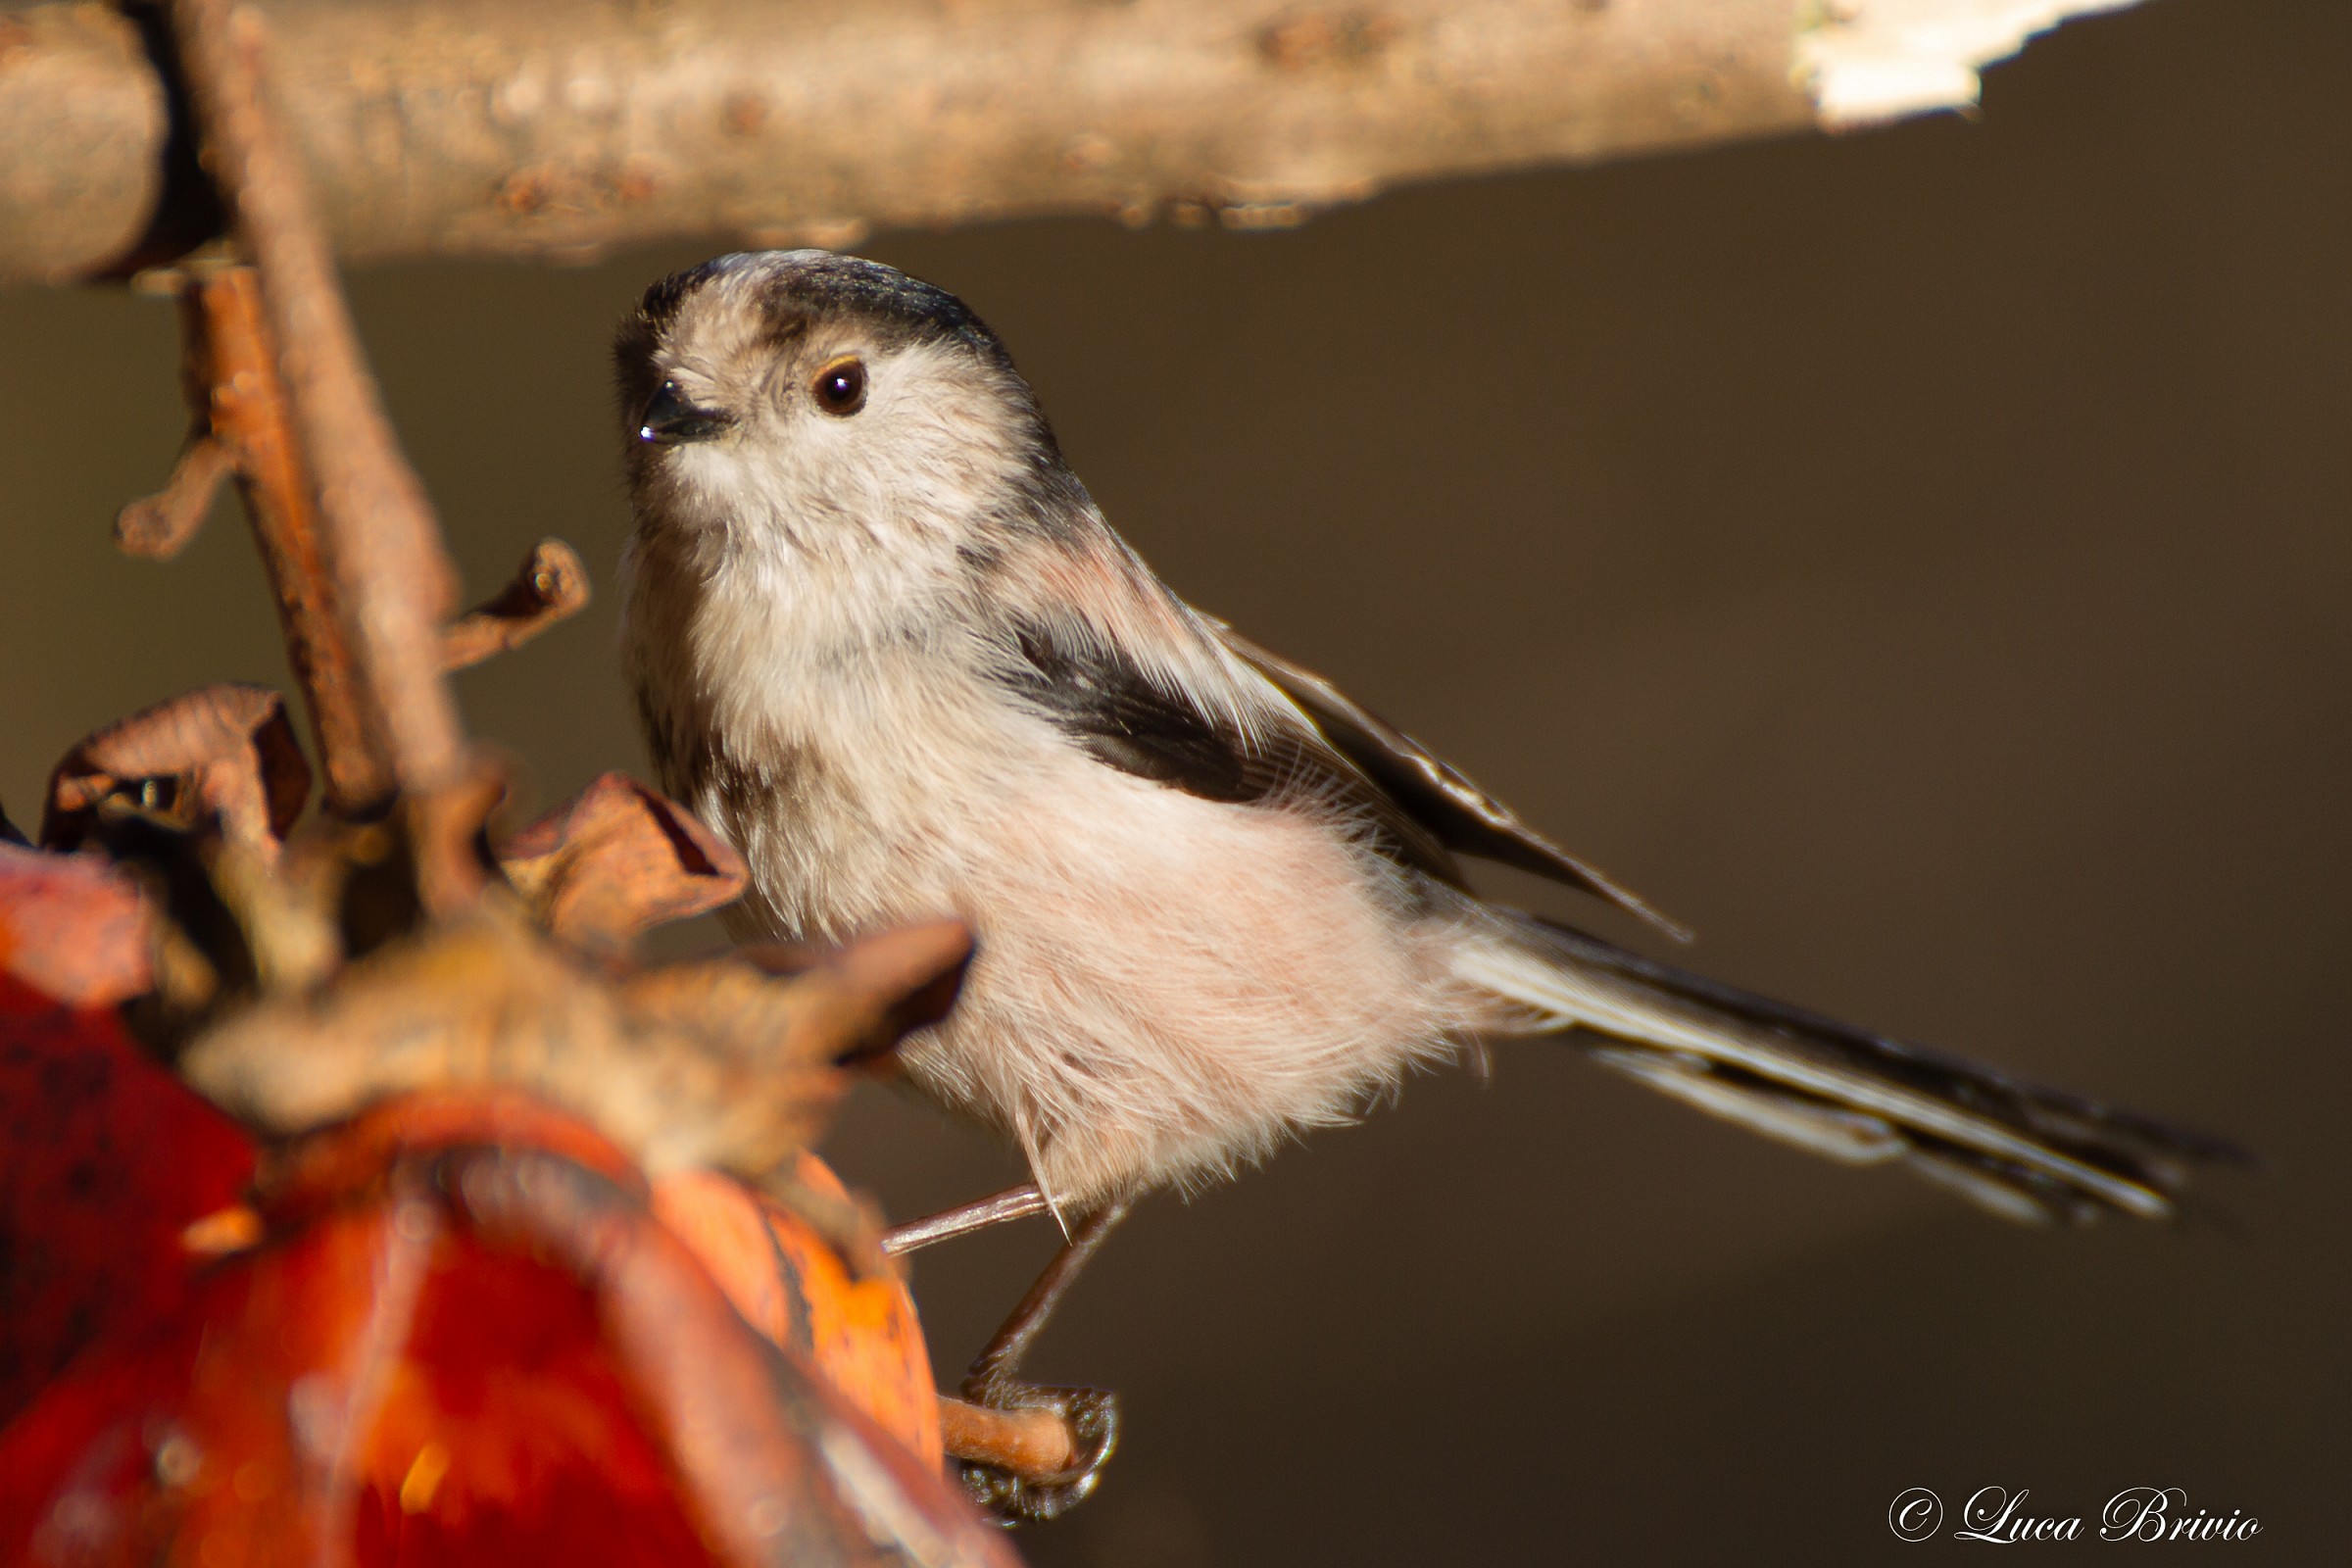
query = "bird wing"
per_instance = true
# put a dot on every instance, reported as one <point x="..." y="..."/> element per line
<point x="1443" y="801"/>
<point x="2023" y="1150"/>
<point x="1154" y="728"/>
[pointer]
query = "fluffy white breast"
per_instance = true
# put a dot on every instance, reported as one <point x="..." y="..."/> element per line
<point x="1165" y="984"/>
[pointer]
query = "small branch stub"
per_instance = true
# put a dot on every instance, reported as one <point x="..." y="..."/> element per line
<point x="159" y="526"/>
<point x="1025" y="1443"/>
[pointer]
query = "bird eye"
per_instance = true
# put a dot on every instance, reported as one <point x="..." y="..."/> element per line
<point x="840" y="387"/>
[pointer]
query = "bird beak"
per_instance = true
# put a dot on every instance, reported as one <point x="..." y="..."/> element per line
<point x="670" y="420"/>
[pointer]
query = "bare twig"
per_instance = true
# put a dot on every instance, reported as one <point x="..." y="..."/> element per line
<point x="1033" y="1443"/>
<point x="84" y="127"/>
<point x="550" y="585"/>
<point x="545" y="127"/>
<point x="382" y="543"/>
<point x="243" y="424"/>
<point x="403" y="980"/>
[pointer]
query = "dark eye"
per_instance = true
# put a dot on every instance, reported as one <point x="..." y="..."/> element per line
<point x="840" y="387"/>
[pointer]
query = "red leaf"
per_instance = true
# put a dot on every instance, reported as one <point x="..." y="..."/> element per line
<point x="282" y="1419"/>
<point x="105" y="1159"/>
<point x="457" y="1352"/>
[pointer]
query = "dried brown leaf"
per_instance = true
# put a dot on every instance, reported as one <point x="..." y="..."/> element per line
<point x="222" y="752"/>
<point x="617" y="859"/>
<point x="550" y="585"/>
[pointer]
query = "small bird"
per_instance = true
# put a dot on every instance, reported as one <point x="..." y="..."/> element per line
<point x="884" y="642"/>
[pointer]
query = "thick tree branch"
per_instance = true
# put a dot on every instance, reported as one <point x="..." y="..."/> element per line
<point x="558" y="127"/>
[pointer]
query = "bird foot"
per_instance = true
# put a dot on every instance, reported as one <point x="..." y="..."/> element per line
<point x="1026" y="1451"/>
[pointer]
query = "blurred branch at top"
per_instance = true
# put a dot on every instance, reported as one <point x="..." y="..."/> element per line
<point x="555" y="128"/>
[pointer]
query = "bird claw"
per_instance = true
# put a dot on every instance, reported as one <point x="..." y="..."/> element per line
<point x="1013" y="1495"/>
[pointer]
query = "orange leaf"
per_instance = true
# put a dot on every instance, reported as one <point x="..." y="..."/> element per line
<point x="791" y="1285"/>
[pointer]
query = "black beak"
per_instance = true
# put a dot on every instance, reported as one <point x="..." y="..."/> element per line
<point x="671" y="420"/>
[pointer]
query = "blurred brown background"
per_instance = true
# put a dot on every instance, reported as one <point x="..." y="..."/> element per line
<point x="1919" y="561"/>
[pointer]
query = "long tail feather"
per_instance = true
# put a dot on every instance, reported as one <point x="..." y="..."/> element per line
<point x="2022" y="1151"/>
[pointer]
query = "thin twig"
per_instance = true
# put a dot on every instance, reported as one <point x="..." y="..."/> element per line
<point x="381" y="541"/>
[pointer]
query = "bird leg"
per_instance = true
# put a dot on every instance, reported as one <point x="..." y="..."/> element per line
<point x="996" y="1478"/>
<point x="1015" y="1203"/>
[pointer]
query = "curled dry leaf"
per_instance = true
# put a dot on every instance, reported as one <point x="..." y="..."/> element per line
<point x="464" y="1342"/>
<point x="617" y="859"/>
<point x="221" y="753"/>
<point x="550" y="585"/>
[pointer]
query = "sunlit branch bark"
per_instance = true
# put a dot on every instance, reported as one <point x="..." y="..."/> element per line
<point x="560" y="127"/>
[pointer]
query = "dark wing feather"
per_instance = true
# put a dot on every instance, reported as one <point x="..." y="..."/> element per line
<point x="1128" y="721"/>
<point x="1452" y="808"/>
<point x="1110" y="708"/>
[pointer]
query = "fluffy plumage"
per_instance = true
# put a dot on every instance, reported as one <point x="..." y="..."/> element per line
<point x="893" y="653"/>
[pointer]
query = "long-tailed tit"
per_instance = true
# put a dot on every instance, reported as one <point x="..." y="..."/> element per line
<point x="883" y="641"/>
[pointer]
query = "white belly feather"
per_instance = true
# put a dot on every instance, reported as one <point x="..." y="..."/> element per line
<point x="1145" y="1005"/>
